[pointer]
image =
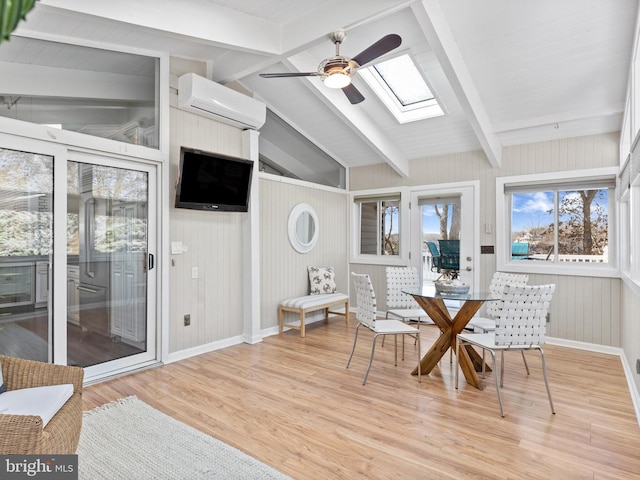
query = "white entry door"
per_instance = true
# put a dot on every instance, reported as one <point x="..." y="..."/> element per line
<point x="446" y="212"/>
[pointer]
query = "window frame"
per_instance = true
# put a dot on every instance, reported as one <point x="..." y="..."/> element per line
<point x="402" y="113"/>
<point x="403" y="228"/>
<point x="542" y="181"/>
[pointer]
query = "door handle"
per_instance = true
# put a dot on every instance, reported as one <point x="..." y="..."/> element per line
<point x="151" y="261"/>
<point x="468" y="269"/>
<point x="86" y="289"/>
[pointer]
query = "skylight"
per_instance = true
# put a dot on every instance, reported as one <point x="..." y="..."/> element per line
<point x="402" y="88"/>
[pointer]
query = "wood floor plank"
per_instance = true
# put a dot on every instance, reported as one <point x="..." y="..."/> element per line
<point x="291" y="403"/>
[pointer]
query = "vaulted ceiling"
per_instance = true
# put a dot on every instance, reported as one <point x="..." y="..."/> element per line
<point x="505" y="71"/>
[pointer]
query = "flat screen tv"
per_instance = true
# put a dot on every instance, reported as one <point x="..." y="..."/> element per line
<point x="213" y="182"/>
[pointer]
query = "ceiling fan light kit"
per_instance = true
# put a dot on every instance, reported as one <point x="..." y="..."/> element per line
<point x="338" y="70"/>
<point x="337" y="80"/>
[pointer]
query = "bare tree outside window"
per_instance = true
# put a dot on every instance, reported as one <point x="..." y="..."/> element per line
<point x="577" y="232"/>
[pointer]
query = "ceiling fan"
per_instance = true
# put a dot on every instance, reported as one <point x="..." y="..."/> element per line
<point x="338" y="70"/>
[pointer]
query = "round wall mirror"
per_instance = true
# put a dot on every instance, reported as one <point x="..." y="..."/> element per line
<point x="303" y="227"/>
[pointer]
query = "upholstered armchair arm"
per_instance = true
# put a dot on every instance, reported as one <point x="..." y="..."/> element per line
<point x="19" y="373"/>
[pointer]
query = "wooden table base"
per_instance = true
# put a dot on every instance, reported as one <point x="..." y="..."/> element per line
<point x="470" y="361"/>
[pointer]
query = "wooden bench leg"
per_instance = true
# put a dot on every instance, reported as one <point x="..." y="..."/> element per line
<point x="302" y="321"/>
<point x="280" y="319"/>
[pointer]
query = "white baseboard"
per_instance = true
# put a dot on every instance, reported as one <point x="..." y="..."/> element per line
<point x="626" y="366"/>
<point x="200" y="349"/>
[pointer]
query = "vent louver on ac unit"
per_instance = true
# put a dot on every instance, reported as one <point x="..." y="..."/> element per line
<point x="210" y="99"/>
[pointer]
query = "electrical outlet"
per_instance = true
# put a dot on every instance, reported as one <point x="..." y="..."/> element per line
<point x="187" y="320"/>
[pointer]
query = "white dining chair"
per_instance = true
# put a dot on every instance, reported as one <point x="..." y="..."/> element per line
<point x="366" y="314"/>
<point x="520" y="326"/>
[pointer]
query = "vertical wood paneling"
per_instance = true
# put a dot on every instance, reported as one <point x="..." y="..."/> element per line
<point x="214" y="241"/>
<point x="630" y="328"/>
<point x="584" y="308"/>
<point x="284" y="270"/>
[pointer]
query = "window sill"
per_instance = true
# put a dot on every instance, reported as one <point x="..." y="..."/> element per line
<point x="393" y="261"/>
<point x="575" y="270"/>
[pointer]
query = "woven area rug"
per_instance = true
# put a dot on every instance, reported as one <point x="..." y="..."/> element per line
<point x="129" y="440"/>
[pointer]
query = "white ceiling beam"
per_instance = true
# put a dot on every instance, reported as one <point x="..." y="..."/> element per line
<point x="439" y="36"/>
<point x="352" y="116"/>
<point x="214" y="23"/>
<point x="317" y="24"/>
<point x="523" y="124"/>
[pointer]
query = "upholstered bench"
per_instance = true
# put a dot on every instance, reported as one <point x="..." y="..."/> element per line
<point x="310" y="303"/>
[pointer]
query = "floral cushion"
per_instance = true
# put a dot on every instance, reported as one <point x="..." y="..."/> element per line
<point x="321" y="280"/>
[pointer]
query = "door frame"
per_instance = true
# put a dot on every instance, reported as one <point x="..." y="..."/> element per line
<point x="469" y="193"/>
<point x="152" y="353"/>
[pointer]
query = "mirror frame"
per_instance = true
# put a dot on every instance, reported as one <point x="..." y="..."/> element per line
<point x="294" y="215"/>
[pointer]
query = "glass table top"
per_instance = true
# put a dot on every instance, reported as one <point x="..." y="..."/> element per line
<point x="429" y="291"/>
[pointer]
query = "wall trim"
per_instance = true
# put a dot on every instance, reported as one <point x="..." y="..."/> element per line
<point x="592" y="347"/>
<point x="200" y="349"/>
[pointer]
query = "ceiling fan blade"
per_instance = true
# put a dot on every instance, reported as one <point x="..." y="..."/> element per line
<point x="292" y="74"/>
<point x="353" y="94"/>
<point x="382" y="46"/>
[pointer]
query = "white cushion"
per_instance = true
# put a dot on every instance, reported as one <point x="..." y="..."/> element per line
<point x="43" y="402"/>
<point x="310" y="301"/>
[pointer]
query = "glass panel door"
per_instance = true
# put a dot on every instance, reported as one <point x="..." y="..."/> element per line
<point x="444" y="233"/>
<point x="108" y="263"/>
<point x="26" y="236"/>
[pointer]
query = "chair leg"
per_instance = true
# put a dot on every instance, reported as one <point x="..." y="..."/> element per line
<point x="524" y="359"/>
<point x="546" y="380"/>
<point x="419" y="359"/>
<point x="355" y="339"/>
<point x="373" y="349"/>
<point x="498" y="381"/>
<point x="457" y="353"/>
<point x="501" y="368"/>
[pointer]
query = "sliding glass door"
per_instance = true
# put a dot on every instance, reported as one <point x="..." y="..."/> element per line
<point x="26" y="252"/>
<point x="77" y="264"/>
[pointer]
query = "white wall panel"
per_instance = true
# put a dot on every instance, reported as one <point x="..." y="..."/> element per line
<point x="214" y="241"/>
<point x="283" y="269"/>
<point x="584" y="309"/>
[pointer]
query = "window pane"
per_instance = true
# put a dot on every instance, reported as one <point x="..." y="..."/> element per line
<point x="581" y="225"/>
<point x="532" y="226"/>
<point x="390" y="225"/>
<point x="404" y="80"/>
<point x="369" y="228"/>
<point x="93" y="91"/>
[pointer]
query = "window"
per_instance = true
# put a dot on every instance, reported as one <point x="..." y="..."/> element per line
<point x="97" y="92"/>
<point x="379" y="227"/>
<point x="288" y="153"/>
<point x="556" y="223"/>
<point x="402" y="88"/>
<point x="379" y="219"/>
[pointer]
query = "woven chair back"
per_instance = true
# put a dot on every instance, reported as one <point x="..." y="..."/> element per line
<point x="498" y="282"/>
<point x="399" y="279"/>
<point x="365" y="300"/>
<point x="523" y="315"/>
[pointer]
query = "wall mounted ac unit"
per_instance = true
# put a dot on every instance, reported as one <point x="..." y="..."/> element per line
<point x="210" y="99"/>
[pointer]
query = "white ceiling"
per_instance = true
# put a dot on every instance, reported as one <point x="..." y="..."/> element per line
<point x="505" y="71"/>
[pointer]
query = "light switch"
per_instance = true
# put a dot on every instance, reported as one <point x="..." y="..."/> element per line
<point x="194" y="272"/>
<point x="176" y="248"/>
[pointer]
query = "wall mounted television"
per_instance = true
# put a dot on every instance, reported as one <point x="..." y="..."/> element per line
<point x="213" y="182"/>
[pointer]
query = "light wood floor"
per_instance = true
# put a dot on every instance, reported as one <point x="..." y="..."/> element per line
<point x="291" y="403"/>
